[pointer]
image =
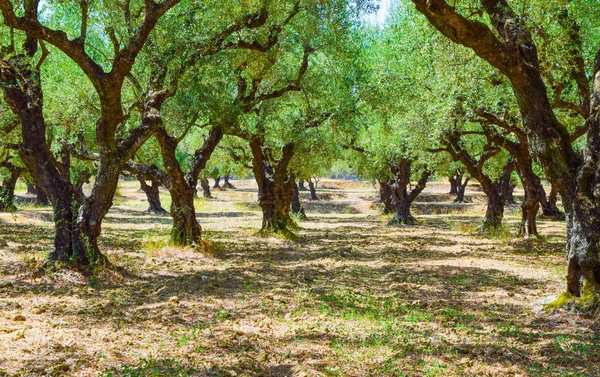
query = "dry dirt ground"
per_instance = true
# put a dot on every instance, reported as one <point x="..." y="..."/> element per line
<point x="351" y="297"/>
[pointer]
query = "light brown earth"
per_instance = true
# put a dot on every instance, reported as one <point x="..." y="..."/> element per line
<point x="352" y="297"/>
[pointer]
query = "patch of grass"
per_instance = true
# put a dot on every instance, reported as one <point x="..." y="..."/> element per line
<point x="151" y="368"/>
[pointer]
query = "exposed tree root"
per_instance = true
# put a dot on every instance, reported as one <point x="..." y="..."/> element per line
<point x="588" y="303"/>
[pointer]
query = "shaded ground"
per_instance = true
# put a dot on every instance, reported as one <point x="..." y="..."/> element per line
<point x="353" y="297"/>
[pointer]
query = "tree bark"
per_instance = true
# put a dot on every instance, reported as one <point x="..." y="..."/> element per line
<point x="385" y="196"/>
<point x="313" y="190"/>
<point x="152" y="192"/>
<point x="31" y="189"/>
<point x="205" y="188"/>
<point x="462" y="187"/>
<point x="7" y="190"/>
<point x="301" y="186"/>
<point x="228" y="184"/>
<point x="549" y="206"/>
<point x="275" y="187"/>
<point x="186" y="229"/>
<point x="401" y="198"/>
<point x="41" y="199"/>
<point x="453" y="185"/>
<point x="577" y="179"/>
<point x="217" y="186"/>
<point x="49" y="174"/>
<point x="497" y="195"/>
<point x="297" y="208"/>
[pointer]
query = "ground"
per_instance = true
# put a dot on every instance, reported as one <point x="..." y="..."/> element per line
<point x="351" y="297"/>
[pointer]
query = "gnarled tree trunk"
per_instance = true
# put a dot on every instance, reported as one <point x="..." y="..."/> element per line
<point x="152" y="192"/>
<point x="549" y="205"/>
<point x="7" y="190"/>
<point x="401" y="198"/>
<point x="453" y="185"/>
<point x="385" y="196"/>
<point x="275" y="187"/>
<point x="227" y="184"/>
<point x="186" y="229"/>
<point x="497" y="194"/>
<point x="460" y="192"/>
<point x="205" y="188"/>
<point x="297" y="208"/>
<point x="217" y="185"/>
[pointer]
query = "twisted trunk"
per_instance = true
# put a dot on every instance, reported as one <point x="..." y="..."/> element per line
<point x="50" y="175"/>
<point x="205" y="188"/>
<point x="7" y="190"/>
<point x="385" y="196"/>
<point x="497" y="194"/>
<point x="401" y="199"/>
<point x="275" y="187"/>
<point x="152" y="192"/>
<point x="182" y="186"/>
<point x="549" y="207"/>
<point x="462" y="187"/>
<point x="454" y="183"/>
<point x="228" y="184"/>
<point x="217" y="186"/>
<point x="297" y="208"/>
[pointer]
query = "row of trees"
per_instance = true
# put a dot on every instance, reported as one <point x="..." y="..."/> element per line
<point x="284" y="90"/>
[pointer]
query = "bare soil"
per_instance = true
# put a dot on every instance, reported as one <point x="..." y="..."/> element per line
<point x="351" y="297"/>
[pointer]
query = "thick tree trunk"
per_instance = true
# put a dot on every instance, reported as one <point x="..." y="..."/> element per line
<point x="534" y="194"/>
<point x="275" y="187"/>
<point x="182" y="186"/>
<point x="497" y="193"/>
<point x="152" y="192"/>
<point x="401" y="198"/>
<point x="7" y="190"/>
<point x="313" y="190"/>
<point x="205" y="188"/>
<point x="494" y="213"/>
<point x="228" y="184"/>
<point x="453" y="185"/>
<point x="385" y="196"/>
<point x="217" y="185"/>
<point x="51" y="176"/>
<point x="549" y="207"/>
<point x="511" y="195"/>
<point x="41" y="199"/>
<point x="297" y="208"/>
<point x="186" y="230"/>
<point x="513" y="52"/>
<point x="31" y="189"/>
<point x="301" y="186"/>
<point x="460" y="193"/>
